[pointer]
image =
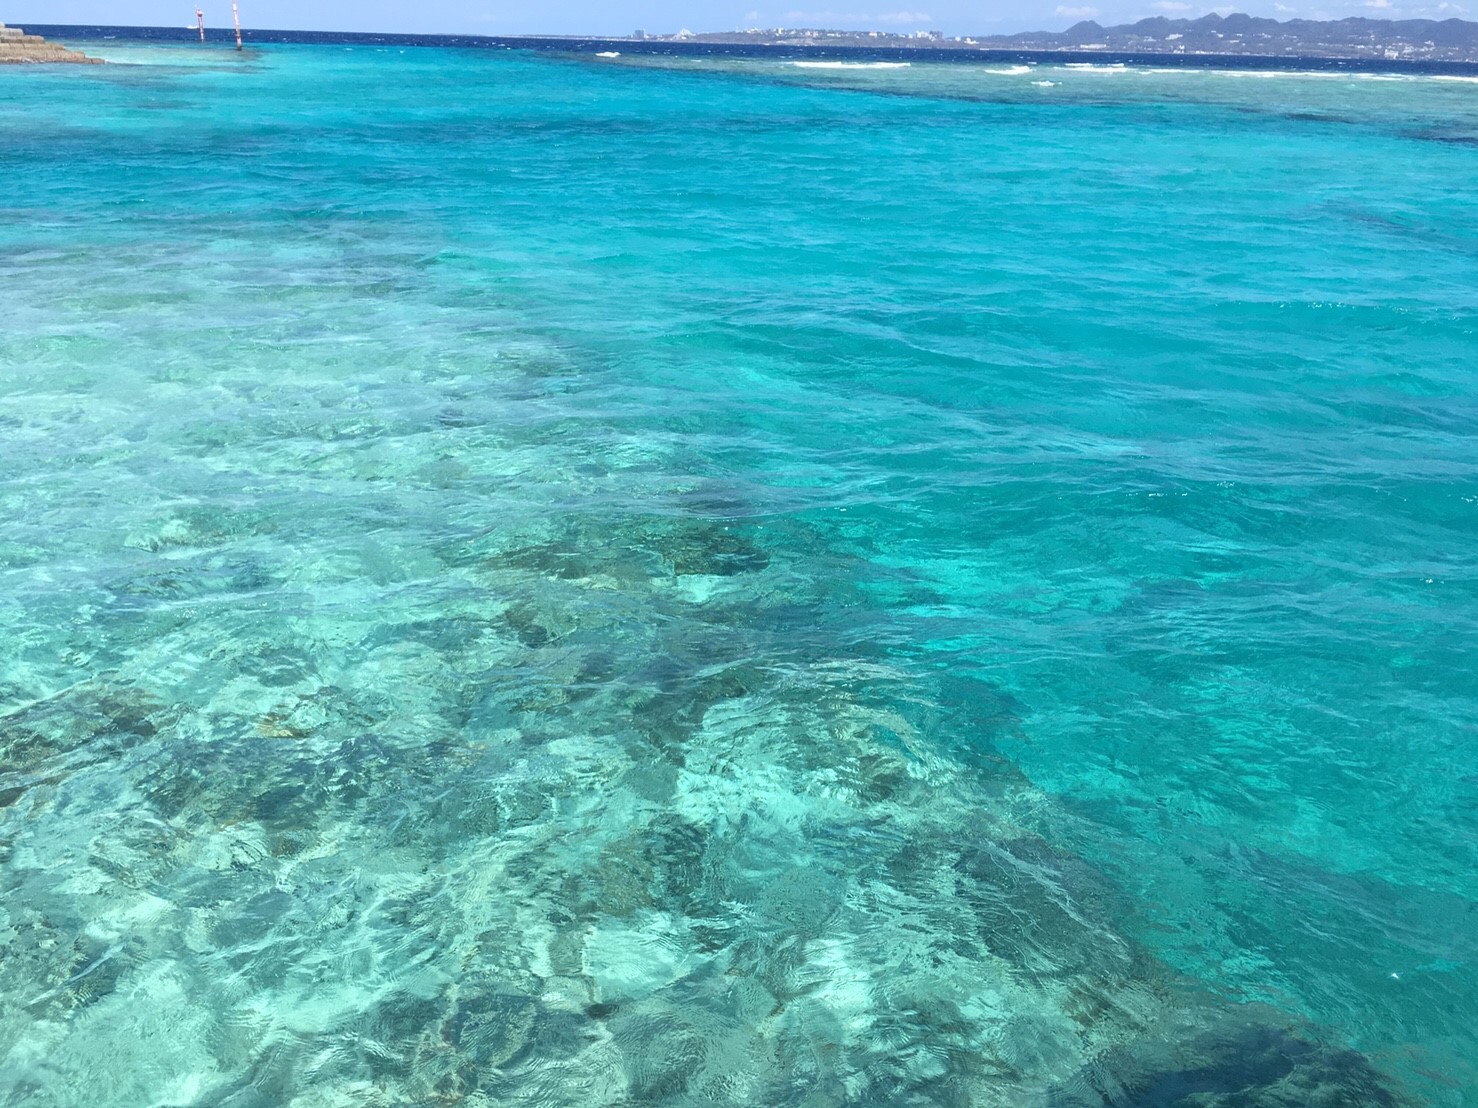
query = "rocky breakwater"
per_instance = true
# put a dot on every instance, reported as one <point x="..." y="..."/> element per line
<point x="18" y="47"/>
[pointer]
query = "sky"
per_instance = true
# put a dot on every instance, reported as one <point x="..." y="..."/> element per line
<point x="622" y="17"/>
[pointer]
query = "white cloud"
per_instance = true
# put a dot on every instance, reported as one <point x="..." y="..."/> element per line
<point x="1377" y="3"/>
<point x="1283" y="8"/>
<point x="1446" y="7"/>
<point x="1076" y="13"/>
<point x="849" y="19"/>
<point x="1170" y="6"/>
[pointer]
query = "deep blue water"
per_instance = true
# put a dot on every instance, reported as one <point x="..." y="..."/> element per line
<point x="744" y="580"/>
<point x="679" y="49"/>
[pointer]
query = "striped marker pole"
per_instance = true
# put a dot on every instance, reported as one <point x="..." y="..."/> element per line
<point x="236" y="18"/>
<point x="200" y="21"/>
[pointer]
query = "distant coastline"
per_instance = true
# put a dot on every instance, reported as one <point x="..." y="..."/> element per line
<point x="1078" y="44"/>
<point x="1452" y="40"/>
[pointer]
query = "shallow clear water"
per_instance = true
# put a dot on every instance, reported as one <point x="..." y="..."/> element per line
<point x="532" y="581"/>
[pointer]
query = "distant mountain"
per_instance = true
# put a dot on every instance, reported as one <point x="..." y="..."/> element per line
<point x="1447" y="39"/>
<point x="1400" y="39"/>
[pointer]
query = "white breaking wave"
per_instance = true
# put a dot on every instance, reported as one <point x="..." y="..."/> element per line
<point x="1303" y="74"/>
<point x="609" y="54"/>
<point x="1298" y="74"/>
<point x="852" y="65"/>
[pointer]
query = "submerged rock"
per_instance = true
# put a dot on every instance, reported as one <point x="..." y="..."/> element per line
<point x="95" y="715"/>
<point x="1241" y="1065"/>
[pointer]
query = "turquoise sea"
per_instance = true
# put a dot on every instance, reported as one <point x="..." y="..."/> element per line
<point x="617" y="581"/>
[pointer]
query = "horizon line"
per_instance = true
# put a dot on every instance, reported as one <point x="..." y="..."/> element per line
<point x="665" y="35"/>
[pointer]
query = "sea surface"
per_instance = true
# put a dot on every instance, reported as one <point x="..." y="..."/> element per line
<point x="533" y="580"/>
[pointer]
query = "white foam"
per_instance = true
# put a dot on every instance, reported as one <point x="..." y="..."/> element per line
<point x="608" y="54"/>
<point x="1045" y="84"/>
<point x="1272" y="73"/>
<point x="852" y="65"/>
<point x="1297" y="74"/>
<point x="1011" y="70"/>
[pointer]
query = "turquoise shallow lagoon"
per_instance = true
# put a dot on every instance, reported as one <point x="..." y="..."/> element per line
<point x="614" y="582"/>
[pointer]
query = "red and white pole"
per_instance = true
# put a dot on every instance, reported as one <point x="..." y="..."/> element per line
<point x="236" y="18"/>
<point x="200" y="21"/>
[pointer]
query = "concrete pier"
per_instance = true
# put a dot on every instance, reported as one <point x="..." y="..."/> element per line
<point x="17" y="47"/>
